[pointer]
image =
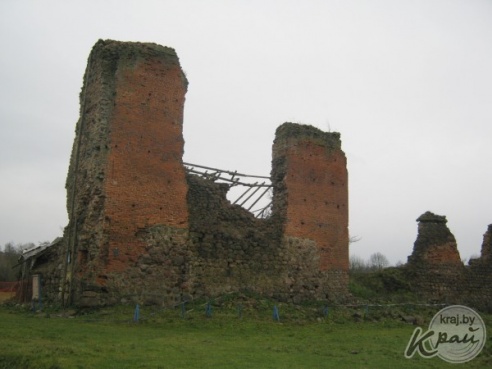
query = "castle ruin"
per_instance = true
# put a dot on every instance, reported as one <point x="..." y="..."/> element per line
<point x="143" y="229"/>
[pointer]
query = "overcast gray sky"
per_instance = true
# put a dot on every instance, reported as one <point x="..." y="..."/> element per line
<point x="407" y="83"/>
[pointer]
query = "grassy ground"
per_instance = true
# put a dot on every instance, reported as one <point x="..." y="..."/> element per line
<point x="165" y="339"/>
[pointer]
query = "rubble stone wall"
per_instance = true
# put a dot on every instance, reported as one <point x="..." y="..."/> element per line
<point x="236" y="251"/>
<point x="436" y="272"/>
<point x="478" y="277"/>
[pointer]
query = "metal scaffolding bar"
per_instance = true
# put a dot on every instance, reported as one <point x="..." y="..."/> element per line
<point x="225" y="171"/>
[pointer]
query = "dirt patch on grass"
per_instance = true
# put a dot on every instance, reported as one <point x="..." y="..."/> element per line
<point x="4" y="296"/>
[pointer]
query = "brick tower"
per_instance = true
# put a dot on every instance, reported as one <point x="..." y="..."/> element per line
<point x="126" y="171"/>
<point x="311" y="190"/>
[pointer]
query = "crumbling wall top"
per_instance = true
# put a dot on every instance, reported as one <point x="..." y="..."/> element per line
<point x="435" y="243"/>
<point x="302" y="132"/>
<point x="429" y="217"/>
<point x="112" y="52"/>
<point x="136" y="48"/>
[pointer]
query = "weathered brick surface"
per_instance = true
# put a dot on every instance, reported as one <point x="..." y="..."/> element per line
<point x="145" y="183"/>
<point x="435" y="244"/>
<point x="140" y="229"/>
<point x="126" y="169"/>
<point x="435" y="265"/>
<point x="311" y="191"/>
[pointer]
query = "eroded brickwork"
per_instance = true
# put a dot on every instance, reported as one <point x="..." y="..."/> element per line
<point x="126" y="171"/>
<point x="145" y="180"/>
<point x="141" y="229"/>
<point x="309" y="174"/>
<point x="436" y="273"/>
<point x="435" y="264"/>
<point x="435" y="244"/>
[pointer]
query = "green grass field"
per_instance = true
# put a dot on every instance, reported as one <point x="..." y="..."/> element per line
<point x="164" y="339"/>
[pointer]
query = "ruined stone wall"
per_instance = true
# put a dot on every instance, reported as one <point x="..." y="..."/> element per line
<point x="233" y="248"/>
<point x="309" y="174"/>
<point x="145" y="179"/>
<point x="225" y="249"/>
<point x="142" y="230"/>
<point x="126" y="171"/>
<point x="435" y="244"/>
<point x="478" y="277"/>
<point x="85" y="237"/>
<point x="435" y="264"/>
<point x="436" y="272"/>
<point x="236" y="251"/>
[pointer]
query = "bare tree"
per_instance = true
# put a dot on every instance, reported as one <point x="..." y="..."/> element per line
<point x="378" y="261"/>
<point x="357" y="264"/>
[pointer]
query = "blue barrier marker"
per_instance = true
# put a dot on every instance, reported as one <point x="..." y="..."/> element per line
<point x="325" y="311"/>
<point x="276" y="315"/>
<point x="136" y="314"/>
<point x="208" y="310"/>
<point x="183" y="309"/>
<point x="240" y="311"/>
